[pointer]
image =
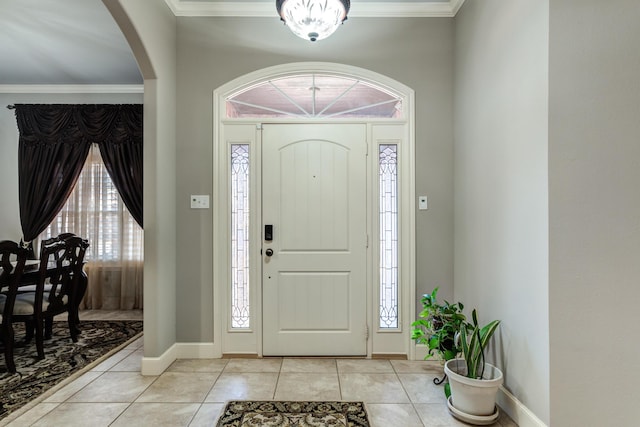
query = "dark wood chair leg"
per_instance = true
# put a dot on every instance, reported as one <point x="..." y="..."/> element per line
<point x="79" y="295"/>
<point x="72" y="328"/>
<point x="28" y="327"/>
<point x="8" y="337"/>
<point x="39" y="338"/>
<point x="48" y="328"/>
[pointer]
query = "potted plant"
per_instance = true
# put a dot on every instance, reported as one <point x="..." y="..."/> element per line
<point x="437" y="328"/>
<point x="438" y="325"/>
<point x="474" y="383"/>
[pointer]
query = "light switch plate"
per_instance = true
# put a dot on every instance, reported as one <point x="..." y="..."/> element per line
<point x="199" y="201"/>
<point x="422" y="203"/>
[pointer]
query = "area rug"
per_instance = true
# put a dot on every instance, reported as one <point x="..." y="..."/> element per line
<point x="241" y="413"/>
<point x="62" y="358"/>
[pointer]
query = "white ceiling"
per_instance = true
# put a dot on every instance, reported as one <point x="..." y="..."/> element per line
<point x="44" y="42"/>
<point x="77" y="42"/>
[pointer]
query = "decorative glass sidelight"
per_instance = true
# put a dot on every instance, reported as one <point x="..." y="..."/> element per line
<point x="388" y="175"/>
<point x="240" y="236"/>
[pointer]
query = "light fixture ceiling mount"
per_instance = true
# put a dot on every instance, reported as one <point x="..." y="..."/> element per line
<point x="313" y="19"/>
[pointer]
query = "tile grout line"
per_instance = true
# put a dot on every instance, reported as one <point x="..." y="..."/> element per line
<point x="413" y="404"/>
<point x="339" y="381"/>
<point x="136" y="398"/>
<point x="275" y="389"/>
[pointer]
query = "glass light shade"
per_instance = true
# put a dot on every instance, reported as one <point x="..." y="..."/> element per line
<point x="313" y="19"/>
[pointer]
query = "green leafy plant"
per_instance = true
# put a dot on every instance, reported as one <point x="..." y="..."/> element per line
<point x="473" y="340"/>
<point x="438" y="325"/>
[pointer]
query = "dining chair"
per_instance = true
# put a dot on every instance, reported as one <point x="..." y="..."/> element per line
<point x="73" y="286"/>
<point x="12" y="262"/>
<point x="55" y="289"/>
<point x="73" y="273"/>
<point x="30" y="286"/>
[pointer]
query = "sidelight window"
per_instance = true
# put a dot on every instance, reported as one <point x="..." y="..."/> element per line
<point x="240" y="236"/>
<point x="388" y="181"/>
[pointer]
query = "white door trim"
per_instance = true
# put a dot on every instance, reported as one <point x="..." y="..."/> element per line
<point x="248" y="131"/>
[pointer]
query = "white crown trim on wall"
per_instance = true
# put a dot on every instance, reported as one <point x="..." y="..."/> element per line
<point x="362" y="9"/>
<point x="64" y="88"/>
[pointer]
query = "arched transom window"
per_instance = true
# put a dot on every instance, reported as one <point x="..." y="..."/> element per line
<point x="313" y="95"/>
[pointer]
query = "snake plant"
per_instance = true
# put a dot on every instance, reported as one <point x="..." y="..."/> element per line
<point x="473" y="340"/>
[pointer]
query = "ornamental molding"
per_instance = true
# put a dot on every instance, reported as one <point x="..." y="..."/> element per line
<point x="362" y="9"/>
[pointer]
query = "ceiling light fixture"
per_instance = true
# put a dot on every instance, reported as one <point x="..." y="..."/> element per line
<point x="313" y="19"/>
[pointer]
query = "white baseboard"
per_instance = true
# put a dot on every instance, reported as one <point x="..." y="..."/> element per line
<point x="507" y="401"/>
<point x="516" y="410"/>
<point x="157" y="365"/>
<point x="197" y="350"/>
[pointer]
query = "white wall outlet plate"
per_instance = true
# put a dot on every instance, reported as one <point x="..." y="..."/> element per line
<point x="422" y="203"/>
<point x="199" y="201"/>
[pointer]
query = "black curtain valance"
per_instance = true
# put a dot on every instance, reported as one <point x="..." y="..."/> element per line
<point x="79" y="123"/>
<point x="54" y="142"/>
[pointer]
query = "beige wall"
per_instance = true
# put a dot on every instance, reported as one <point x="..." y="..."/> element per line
<point x="501" y="210"/>
<point x="150" y="29"/>
<point x="213" y="51"/>
<point x="594" y="207"/>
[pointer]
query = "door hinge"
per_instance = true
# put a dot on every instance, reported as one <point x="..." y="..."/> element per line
<point x="367" y="242"/>
<point x="259" y="126"/>
<point x="366" y="332"/>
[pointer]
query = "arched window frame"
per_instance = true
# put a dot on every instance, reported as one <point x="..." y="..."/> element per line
<point x="388" y="103"/>
<point x="247" y="130"/>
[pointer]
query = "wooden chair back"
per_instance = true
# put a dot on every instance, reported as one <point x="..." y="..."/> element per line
<point x="12" y="262"/>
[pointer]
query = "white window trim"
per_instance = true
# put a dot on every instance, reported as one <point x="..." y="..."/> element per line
<point x="250" y="341"/>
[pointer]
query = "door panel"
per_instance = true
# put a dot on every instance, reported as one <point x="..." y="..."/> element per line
<point x="316" y="301"/>
<point x="314" y="195"/>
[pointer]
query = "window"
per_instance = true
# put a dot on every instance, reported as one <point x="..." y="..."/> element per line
<point x="95" y="210"/>
<point x="314" y="95"/>
<point x="114" y="259"/>
<point x="388" y="176"/>
<point x="240" y="236"/>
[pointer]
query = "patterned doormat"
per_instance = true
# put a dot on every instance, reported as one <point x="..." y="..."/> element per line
<point x="293" y="414"/>
<point x="62" y="358"/>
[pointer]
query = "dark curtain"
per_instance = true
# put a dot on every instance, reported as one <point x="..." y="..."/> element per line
<point x="54" y="142"/>
<point x="122" y="156"/>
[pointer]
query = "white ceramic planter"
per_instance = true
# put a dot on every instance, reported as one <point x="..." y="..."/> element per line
<point x="473" y="396"/>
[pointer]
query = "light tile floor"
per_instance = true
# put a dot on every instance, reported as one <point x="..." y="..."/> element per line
<point x="397" y="393"/>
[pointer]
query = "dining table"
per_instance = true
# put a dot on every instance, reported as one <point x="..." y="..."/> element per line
<point x="31" y="275"/>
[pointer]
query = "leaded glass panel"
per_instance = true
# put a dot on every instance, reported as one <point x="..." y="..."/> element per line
<point x="388" y="175"/>
<point x="240" y="236"/>
<point x="314" y="95"/>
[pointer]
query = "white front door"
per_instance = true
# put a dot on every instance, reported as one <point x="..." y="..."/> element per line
<point x="314" y="200"/>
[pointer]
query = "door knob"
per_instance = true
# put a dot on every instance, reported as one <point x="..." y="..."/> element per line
<point x="268" y="252"/>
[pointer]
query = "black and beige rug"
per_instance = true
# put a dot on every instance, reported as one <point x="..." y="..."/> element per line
<point x="63" y="358"/>
<point x="293" y="414"/>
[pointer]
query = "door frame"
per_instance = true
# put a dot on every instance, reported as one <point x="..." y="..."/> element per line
<point x="248" y="342"/>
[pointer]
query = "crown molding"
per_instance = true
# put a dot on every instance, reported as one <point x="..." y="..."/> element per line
<point x="71" y="89"/>
<point x="455" y="6"/>
<point x="361" y="9"/>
